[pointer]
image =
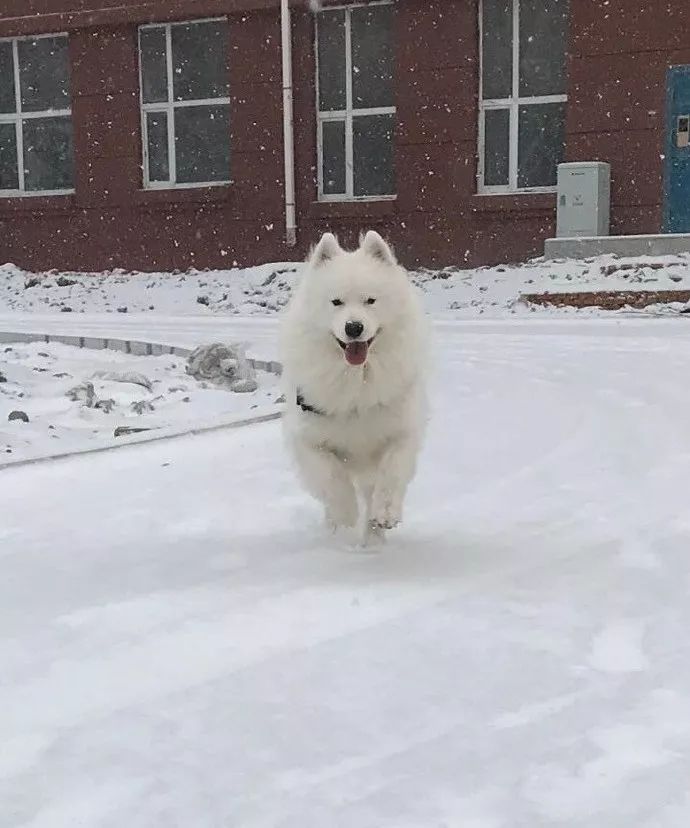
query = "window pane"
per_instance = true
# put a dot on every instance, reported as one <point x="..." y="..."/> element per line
<point x="543" y="41"/>
<point x="540" y="144"/>
<point x="202" y="144"/>
<point x="157" y="138"/>
<point x="48" y="156"/>
<point x="154" y="72"/>
<point x="44" y="74"/>
<point x="7" y="103"/>
<point x="331" y="37"/>
<point x="497" y="48"/>
<point x="200" y="61"/>
<point x="373" y="155"/>
<point x="9" y="175"/>
<point x="372" y="56"/>
<point x="333" y="140"/>
<point x="496" y="147"/>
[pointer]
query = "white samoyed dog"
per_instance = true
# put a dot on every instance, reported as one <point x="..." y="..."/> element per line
<point x="354" y="352"/>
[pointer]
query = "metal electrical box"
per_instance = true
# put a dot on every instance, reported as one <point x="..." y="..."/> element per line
<point x="584" y="199"/>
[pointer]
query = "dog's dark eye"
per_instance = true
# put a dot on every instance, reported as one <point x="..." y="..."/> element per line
<point x="336" y="302"/>
<point x="371" y="301"/>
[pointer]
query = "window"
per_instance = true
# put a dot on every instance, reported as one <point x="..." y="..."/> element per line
<point x="355" y="102"/>
<point x="36" y="148"/>
<point x="185" y="103"/>
<point x="523" y="85"/>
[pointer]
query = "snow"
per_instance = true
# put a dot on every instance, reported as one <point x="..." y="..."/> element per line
<point x="182" y="643"/>
<point x="454" y="292"/>
<point x="40" y="376"/>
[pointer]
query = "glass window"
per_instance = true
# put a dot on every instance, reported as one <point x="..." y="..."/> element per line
<point x="36" y="141"/>
<point x="333" y="143"/>
<point x="373" y="155"/>
<point x="356" y="100"/>
<point x="331" y="51"/>
<point x="540" y="144"/>
<point x="372" y="56"/>
<point x="543" y="31"/>
<point x="522" y="111"/>
<point x="497" y="48"/>
<point x="185" y="89"/>
<point x="497" y="147"/>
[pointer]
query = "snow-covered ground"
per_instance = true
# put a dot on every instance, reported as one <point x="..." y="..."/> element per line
<point x="181" y="643"/>
<point x="49" y="384"/>
<point x="456" y="293"/>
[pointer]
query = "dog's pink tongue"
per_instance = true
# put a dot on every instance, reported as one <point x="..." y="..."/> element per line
<point x="356" y="352"/>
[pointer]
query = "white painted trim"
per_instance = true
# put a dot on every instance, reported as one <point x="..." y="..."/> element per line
<point x="168" y="107"/>
<point x="34" y="193"/>
<point x="340" y="115"/>
<point x="356" y="5"/>
<point x="349" y="140"/>
<point x="185" y="185"/>
<point x="9" y="118"/>
<point x="288" y="124"/>
<point x="44" y="36"/>
<point x="18" y="117"/>
<point x="177" y="23"/>
<point x="347" y="115"/>
<point x="163" y="106"/>
<point x="512" y="104"/>
<point x="356" y="199"/>
<point x="513" y="131"/>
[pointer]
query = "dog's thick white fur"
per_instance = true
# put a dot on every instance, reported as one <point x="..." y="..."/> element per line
<point x="354" y="353"/>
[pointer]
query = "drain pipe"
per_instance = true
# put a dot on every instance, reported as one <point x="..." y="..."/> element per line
<point x="288" y="126"/>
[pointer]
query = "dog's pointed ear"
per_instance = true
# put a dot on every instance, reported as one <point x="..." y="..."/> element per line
<point x="327" y="249"/>
<point x="376" y="247"/>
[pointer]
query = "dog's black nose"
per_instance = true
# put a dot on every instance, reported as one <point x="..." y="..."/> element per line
<point x="353" y="329"/>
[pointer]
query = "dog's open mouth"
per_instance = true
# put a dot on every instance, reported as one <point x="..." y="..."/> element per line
<point x="356" y="352"/>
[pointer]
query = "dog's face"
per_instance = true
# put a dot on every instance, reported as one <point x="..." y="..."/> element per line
<point x="356" y="295"/>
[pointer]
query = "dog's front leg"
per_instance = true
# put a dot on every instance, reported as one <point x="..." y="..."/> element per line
<point x="326" y="478"/>
<point x="395" y="471"/>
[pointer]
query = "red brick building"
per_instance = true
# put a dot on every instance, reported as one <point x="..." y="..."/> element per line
<point x="148" y="134"/>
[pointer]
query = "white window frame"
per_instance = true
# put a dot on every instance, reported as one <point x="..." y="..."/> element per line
<point x="169" y="108"/>
<point x="18" y="117"/>
<point x="348" y="114"/>
<point x="512" y="104"/>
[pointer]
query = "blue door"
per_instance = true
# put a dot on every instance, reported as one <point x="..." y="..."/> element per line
<point x="677" y="174"/>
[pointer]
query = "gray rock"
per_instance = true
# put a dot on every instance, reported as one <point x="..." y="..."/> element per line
<point x="3" y="378"/>
<point x="142" y="407"/>
<point x="20" y="416"/>
<point x="106" y="406"/>
<point x="123" y="431"/>
<point x="84" y="392"/>
<point x="223" y="365"/>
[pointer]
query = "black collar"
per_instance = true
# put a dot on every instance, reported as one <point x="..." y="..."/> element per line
<point x="305" y="406"/>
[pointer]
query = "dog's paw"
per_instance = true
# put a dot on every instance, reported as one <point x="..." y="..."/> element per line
<point x="372" y="536"/>
<point x="387" y="519"/>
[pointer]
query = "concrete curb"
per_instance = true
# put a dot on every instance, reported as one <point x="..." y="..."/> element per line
<point x="154" y="436"/>
<point x="137" y="348"/>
